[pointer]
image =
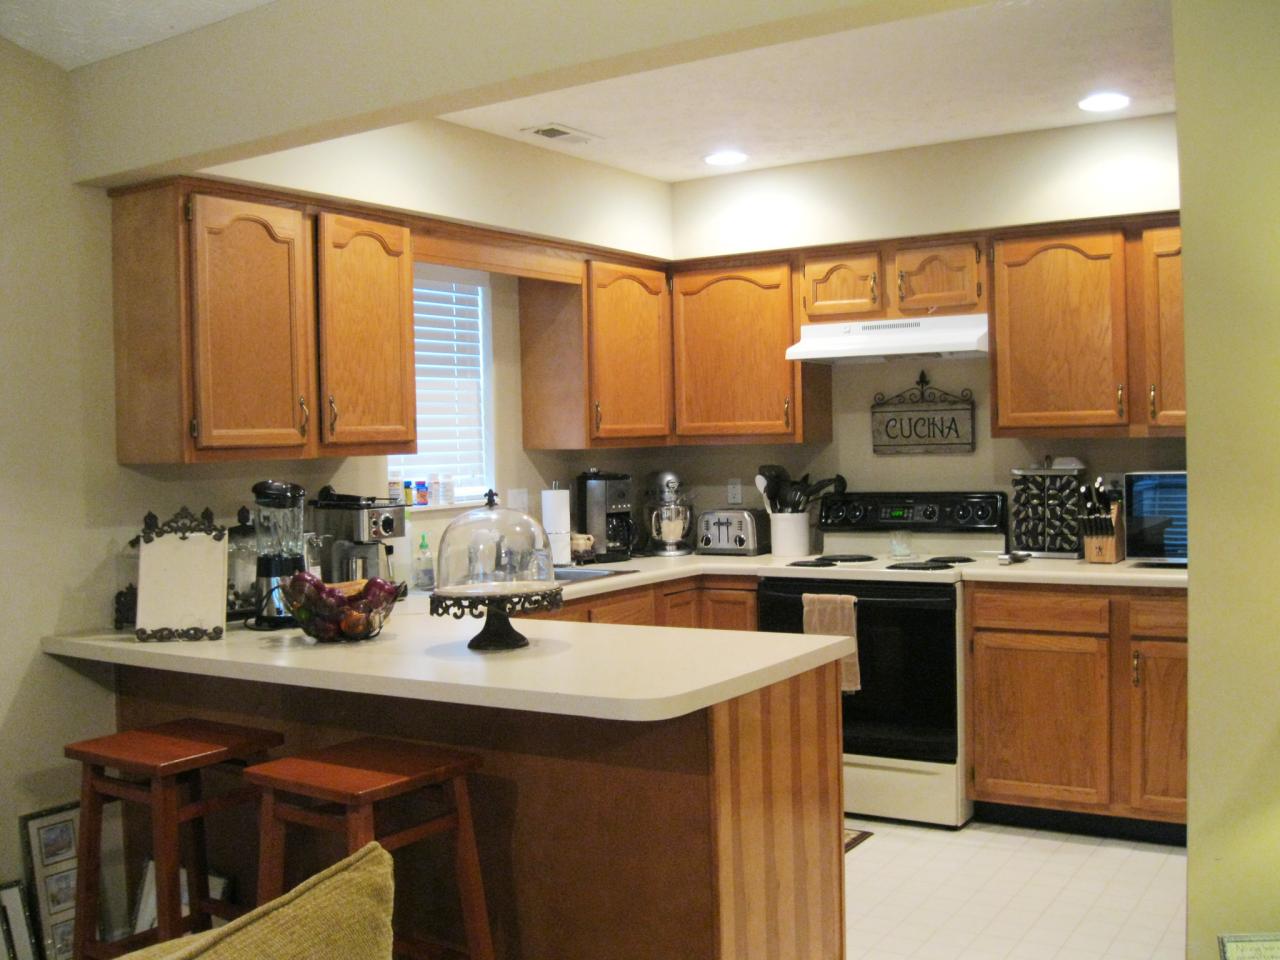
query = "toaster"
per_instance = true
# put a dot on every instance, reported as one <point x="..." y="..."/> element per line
<point x="733" y="532"/>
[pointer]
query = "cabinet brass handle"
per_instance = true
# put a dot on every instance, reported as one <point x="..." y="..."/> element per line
<point x="333" y="415"/>
<point x="902" y="285"/>
<point x="1153" y="401"/>
<point x="1137" y="668"/>
<point x="873" y="287"/>
<point x="306" y="415"/>
<point x="1120" y="400"/>
<point x="786" y="413"/>
<point x="597" y="416"/>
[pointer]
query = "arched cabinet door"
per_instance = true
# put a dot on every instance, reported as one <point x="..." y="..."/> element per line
<point x="1166" y="399"/>
<point x="929" y="278"/>
<point x="844" y="287"/>
<point x="1060" y="340"/>
<point x="732" y="330"/>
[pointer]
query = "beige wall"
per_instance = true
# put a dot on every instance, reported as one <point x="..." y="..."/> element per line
<point x="68" y="508"/>
<point x="1228" y="86"/>
<point x="1099" y="169"/>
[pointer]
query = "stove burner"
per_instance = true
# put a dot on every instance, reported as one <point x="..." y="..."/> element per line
<point x="820" y="562"/>
<point x="956" y="559"/>
<point x="847" y="557"/>
<point x="920" y="565"/>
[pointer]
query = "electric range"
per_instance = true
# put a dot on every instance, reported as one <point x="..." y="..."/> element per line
<point x="901" y="556"/>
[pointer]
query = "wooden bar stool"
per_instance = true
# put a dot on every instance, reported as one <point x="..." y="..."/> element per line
<point x="355" y="775"/>
<point x="161" y="760"/>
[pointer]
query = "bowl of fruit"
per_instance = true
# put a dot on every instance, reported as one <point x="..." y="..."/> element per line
<point x="339" y="612"/>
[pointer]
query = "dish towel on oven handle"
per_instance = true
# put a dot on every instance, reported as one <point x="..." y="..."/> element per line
<point x="836" y="614"/>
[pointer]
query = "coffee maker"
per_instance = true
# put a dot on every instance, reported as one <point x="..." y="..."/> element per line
<point x="353" y="531"/>
<point x="668" y="515"/>
<point x="603" y="508"/>
<point x="277" y="528"/>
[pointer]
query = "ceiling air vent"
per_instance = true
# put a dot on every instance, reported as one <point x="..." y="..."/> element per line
<point x="561" y="133"/>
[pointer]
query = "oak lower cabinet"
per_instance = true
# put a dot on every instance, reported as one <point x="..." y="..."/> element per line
<point x="1077" y="699"/>
<point x="219" y="351"/>
<point x="679" y="603"/>
<point x="729" y="604"/>
<point x="710" y="602"/>
<point x="628" y="606"/>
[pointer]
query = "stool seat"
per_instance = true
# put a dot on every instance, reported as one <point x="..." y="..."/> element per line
<point x="168" y="749"/>
<point x="363" y="770"/>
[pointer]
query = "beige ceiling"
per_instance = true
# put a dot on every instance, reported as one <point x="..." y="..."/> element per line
<point x="72" y="33"/>
<point x="1004" y="67"/>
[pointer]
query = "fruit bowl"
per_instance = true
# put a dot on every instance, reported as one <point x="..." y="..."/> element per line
<point x="339" y="612"/>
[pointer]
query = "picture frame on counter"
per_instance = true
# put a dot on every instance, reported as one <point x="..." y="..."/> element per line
<point x="49" y="849"/>
<point x="18" y="933"/>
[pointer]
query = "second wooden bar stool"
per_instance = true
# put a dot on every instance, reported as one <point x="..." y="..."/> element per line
<point x="162" y="760"/>
<point x="356" y="775"/>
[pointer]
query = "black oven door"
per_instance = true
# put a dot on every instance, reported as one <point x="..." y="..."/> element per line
<point x="906" y="708"/>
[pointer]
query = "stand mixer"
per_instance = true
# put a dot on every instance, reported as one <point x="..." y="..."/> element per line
<point x="669" y="516"/>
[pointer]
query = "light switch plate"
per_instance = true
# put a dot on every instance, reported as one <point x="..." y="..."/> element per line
<point x="735" y="491"/>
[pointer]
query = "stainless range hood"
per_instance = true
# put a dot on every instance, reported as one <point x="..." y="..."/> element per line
<point x="871" y="340"/>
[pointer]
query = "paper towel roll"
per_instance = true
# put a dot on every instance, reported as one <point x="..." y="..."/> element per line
<point x="555" y="511"/>
<point x="561" y="556"/>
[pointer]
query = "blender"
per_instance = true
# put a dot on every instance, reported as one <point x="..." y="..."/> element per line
<point x="670" y="516"/>
<point x="277" y="524"/>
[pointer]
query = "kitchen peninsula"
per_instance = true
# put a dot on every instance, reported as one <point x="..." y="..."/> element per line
<point x="644" y="792"/>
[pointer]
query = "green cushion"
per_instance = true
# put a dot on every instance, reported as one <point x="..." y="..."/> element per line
<point x="343" y="912"/>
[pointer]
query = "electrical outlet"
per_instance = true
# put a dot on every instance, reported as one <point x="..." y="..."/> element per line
<point x="735" y="491"/>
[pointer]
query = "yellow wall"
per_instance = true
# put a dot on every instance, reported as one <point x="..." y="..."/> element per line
<point x="1228" y="90"/>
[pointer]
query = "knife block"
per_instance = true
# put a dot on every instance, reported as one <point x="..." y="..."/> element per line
<point x="1107" y="549"/>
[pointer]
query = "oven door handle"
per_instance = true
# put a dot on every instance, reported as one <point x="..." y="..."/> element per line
<point x="913" y="603"/>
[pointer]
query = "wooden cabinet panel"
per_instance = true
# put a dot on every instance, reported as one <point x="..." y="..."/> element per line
<point x="630" y="351"/>
<point x="1041" y="610"/>
<point x="1061" y="355"/>
<point x="366" y="331"/>
<point x="941" y="276"/>
<point x="843" y="286"/>
<point x="1158" y="727"/>
<point x="251" y="325"/>
<point x="634" y="606"/>
<point x="679" y="608"/>
<point x="732" y="329"/>
<point x="1162" y="326"/>
<point x="1040" y="719"/>
<point x="1162" y="617"/>
<point x="729" y="609"/>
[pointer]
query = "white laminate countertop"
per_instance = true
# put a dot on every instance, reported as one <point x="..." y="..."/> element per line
<point x="579" y="669"/>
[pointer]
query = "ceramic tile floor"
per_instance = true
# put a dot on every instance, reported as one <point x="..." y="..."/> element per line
<point x="988" y="892"/>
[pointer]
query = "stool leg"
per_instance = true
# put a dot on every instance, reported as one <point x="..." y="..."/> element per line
<point x="270" y="849"/>
<point x="198" y="860"/>
<point x="359" y="826"/>
<point x="475" y="915"/>
<point x="88" y="860"/>
<point x="165" y="847"/>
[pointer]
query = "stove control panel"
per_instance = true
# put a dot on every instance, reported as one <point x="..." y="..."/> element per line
<point x="942" y="512"/>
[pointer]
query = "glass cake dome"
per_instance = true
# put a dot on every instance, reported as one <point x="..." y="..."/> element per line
<point x="494" y="561"/>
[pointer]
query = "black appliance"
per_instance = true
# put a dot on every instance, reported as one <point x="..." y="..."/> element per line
<point x="1155" y="508"/>
<point x="603" y="509"/>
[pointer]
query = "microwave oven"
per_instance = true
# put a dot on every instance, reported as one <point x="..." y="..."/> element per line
<point x="1155" y="515"/>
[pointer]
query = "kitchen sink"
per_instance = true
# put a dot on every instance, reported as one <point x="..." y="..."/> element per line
<point x="575" y="574"/>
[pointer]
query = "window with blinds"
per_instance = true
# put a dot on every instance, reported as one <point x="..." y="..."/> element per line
<point x="453" y="364"/>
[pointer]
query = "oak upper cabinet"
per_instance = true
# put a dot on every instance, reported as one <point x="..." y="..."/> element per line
<point x="366" y="331"/>
<point x="1060" y="335"/>
<point x="843" y="287"/>
<point x="732" y="329"/>
<point x="946" y="276"/>
<point x="629" y="333"/>
<point x="1040" y="721"/>
<point x="1165" y="357"/>
<point x="251" y="326"/>
<point x="1157" y="714"/>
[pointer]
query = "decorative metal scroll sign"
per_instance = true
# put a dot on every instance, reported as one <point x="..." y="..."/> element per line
<point x="922" y="419"/>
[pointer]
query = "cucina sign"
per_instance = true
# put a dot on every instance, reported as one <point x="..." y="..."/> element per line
<point x="922" y="419"/>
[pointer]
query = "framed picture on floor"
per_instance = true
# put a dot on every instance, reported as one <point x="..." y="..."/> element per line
<point x="49" y="846"/>
<point x="20" y="939"/>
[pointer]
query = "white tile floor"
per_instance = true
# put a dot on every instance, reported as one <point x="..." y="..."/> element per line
<point x="989" y="892"/>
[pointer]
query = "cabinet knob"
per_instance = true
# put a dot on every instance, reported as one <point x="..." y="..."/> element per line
<point x="597" y="416"/>
<point x="874" y="296"/>
<point x="1120" y="400"/>
<point x="902" y="285"/>
<point x="1152" y="397"/>
<point x="1137" y="668"/>
<point x="786" y="413"/>
<point x="333" y="415"/>
<point x="306" y="416"/>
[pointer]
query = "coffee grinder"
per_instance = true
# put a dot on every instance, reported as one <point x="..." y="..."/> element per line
<point x="277" y="526"/>
<point x="604" y="511"/>
<point x="353" y="532"/>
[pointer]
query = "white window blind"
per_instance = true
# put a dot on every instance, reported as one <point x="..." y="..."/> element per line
<point x="453" y="364"/>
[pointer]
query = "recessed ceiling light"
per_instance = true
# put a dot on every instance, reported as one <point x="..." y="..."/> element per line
<point x="1103" y="102"/>
<point x="725" y="158"/>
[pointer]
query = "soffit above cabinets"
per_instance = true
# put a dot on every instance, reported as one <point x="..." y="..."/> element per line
<point x="1004" y="67"/>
